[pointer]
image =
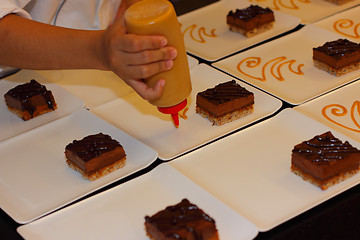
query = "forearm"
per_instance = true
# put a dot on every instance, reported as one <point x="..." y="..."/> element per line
<point x="33" y="45"/>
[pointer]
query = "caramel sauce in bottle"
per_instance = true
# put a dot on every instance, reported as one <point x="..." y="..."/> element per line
<point x="158" y="17"/>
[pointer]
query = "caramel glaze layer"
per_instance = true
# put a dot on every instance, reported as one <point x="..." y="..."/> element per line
<point x="224" y="98"/>
<point x="181" y="221"/>
<point x="338" y="54"/>
<point x="26" y="97"/>
<point x="250" y="18"/>
<point x="94" y="152"/>
<point x="325" y="156"/>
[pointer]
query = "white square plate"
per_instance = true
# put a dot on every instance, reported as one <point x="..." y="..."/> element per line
<point x="346" y="23"/>
<point x="119" y="213"/>
<point x="250" y="170"/>
<point x="11" y="125"/>
<point x="143" y="121"/>
<point x="263" y="65"/>
<point x="199" y="26"/>
<point x="339" y="110"/>
<point x="307" y="10"/>
<point x="34" y="177"/>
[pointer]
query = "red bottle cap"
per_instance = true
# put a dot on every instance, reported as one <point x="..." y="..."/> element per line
<point x="174" y="110"/>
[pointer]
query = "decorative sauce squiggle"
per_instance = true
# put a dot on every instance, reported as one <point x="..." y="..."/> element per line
<point x="279" y="3"/>
<point x="341" y="111"/>
<point x="347" y="23"/>
<point x="201" y="32"/>
<point x="183" y="114"/>
<point x="253" y="62"/>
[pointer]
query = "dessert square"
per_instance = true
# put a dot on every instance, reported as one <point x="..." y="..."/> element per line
<point x="30" y="100"/>
<point x="337" y="57"/>
<point x="181" y="221"/>
<point x="95" y="156"/>
<point x="250" y="21"/>
<point x="225" y="103"/>
<point x="325" y="160"/>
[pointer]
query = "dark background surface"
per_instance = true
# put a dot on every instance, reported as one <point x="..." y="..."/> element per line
<point x="337" y="218"/>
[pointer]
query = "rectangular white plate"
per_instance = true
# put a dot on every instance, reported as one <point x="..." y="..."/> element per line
<point x="250" y="170"/>
<point x="34" y="177"/>
<point x="307" y="10"/>
<point x="198" y="26"/>
<point x="260" y="67"/>
<point x="339" y="110"/>
<point x="143" y="121"/>
<point x="119" y="213"/>
<point x="11" y="125"/>
<point x="346" y="23"/>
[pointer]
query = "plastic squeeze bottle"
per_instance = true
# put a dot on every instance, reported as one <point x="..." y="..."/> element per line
<point x="158" y="17"/>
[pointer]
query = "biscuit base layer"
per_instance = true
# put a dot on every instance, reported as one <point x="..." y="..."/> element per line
<point x="99" y="173"/>
<point x="252" y="32"/>
<point x="25" y="115"/>
<point x="215" y="237"/>
<point x="229" y="117"/>
<point x="336" y="72"/>
<point x="327" y="183"/>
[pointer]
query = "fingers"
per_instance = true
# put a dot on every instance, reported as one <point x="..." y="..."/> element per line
<point x="150" y="56"/>
<point x="136" y="43"/>
<point x="146" y="92"/>
<point x="148" y="70"/>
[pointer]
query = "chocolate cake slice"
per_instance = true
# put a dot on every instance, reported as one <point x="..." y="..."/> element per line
<point x="325" y="160"/>
<point x="224" y="103"/>
<point x="95" y="156"/>
<point x="337" y="57"/>
<point x="184" y="221"/>
<point x="30" y="100"/>
<point x="250" y="21"/>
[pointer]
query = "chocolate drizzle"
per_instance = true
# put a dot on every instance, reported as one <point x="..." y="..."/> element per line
<point x="325" y="148"/>
<point x="249" y="13"/>
<point x="225" y="92"/>
<point x="183" y="216"/>
<point x="92" y="146"/>
<point x="24" y="92"/>
<point x="339" y="48"/>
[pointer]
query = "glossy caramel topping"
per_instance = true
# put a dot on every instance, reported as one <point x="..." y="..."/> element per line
<point x="324" y="149"/>
<point x="180" y="220"/>
<point x="92" y="146"/>
<point x="24" y="92"/>
<point x="225" y="92"/>
<point x="249" y="13"/>
<point x="339" y="48"/>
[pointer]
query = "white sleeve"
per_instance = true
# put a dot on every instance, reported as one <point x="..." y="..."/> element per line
<point x="14" y="6"/>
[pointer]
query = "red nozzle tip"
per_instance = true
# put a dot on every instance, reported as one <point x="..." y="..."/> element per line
<point x="175" y="118"/>
<point x="173" y="110"/>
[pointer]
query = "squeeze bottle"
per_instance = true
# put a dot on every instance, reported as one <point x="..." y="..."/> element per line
<point x="158" y="17"/>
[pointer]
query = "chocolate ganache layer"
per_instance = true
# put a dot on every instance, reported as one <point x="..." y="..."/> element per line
<point x="29" y="97"/>
<point x="338" y="54"/>
<point x="325" y="156"/>
<point x="224" y="98"/>
<point x="251" y="17"/>
<point x="94" y="152"/>
<point x="181" y="221"/>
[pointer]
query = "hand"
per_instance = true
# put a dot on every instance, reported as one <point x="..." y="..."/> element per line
<point x="134" y="58"/>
